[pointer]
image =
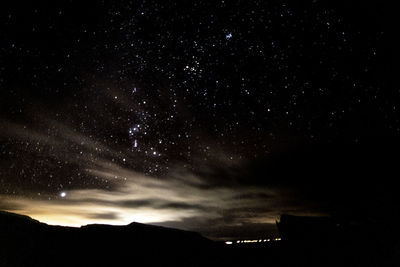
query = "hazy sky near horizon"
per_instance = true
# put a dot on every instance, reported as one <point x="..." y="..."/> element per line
<point x="208" y="116"/>
<point x="209" y="201"/>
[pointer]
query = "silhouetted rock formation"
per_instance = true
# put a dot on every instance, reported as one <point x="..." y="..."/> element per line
<point x="310" y="228"/>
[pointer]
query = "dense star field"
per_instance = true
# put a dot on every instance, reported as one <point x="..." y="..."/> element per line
<point x="192" y="113"/>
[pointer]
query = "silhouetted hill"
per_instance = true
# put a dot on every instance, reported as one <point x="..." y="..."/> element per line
<point x="306" y="241"/>
<point x="27" y="242"/>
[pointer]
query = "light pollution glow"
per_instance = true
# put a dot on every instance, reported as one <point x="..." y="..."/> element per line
<point x="180" y="199"/>
<point x="141" y="199"/>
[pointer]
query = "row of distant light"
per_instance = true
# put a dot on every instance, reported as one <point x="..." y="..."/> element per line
<point x="252" y="241"/>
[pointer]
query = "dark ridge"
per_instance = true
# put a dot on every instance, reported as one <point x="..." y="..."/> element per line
<point x="27" y="242"/>
<point x="9" y="217"/>
<point x="306" y="241"/>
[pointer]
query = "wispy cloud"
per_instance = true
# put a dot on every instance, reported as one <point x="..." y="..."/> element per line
<point x="210" y="199"/>
<point x="170" y="201"/>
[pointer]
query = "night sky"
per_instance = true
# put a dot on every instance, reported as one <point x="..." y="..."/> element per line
<point x="215" y="116"/>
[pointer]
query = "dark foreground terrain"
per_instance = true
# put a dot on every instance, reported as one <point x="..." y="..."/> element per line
<point x="27" y="242"/>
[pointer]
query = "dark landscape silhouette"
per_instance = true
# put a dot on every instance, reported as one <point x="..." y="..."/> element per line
<point x="306" y="241"/>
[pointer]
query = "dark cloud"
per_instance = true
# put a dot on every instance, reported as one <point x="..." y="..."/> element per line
<point x="185" y="206"/>
<point x="342" y="178"/>
<point x="261" y="196"/>
<point x="137" y="203"/>
<point x="103" y="216"/>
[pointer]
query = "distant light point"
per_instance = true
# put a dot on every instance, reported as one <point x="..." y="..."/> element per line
<point x="63" y="194"/>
